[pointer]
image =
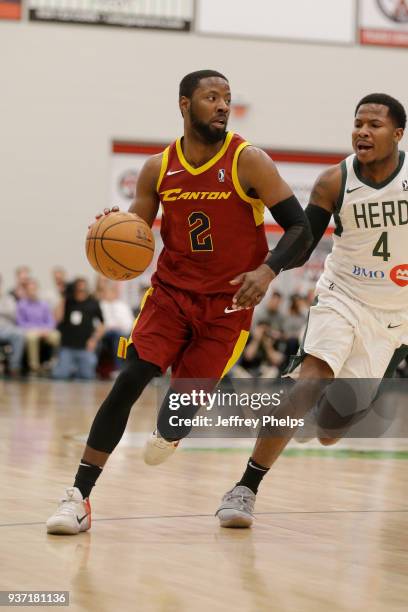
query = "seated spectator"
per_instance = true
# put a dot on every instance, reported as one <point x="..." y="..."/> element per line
<point x="118" y="320"/>
<point x="22" y="276"/>
<point x="10" y="334"/>
<point x="261" y="356"/>
<point x="81" y="325"/>
<point x="57" y="291"/>
<point x="294" y="323"/>
<point x="272" y="313"/>
<point x="100" y="286"/>
<point x="35" y="319"/>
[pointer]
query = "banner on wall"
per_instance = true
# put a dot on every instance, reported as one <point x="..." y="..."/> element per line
<point x="383" y="22"/>
<point x="10" y="9"/>
<point x="300" y="170"/>
<point x="152" y="14"/>
<point x="330" y="21"/>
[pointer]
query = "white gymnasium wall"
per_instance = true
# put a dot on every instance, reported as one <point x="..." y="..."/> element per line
<point x="67" y="91"/>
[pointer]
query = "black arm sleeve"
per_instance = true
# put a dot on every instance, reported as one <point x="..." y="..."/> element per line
<point x="297" y="237"/>
<point x="319" y="220"/>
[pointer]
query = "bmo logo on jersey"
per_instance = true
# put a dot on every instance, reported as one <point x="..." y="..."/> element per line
<point x="399" y="275"/>
<point x="364" y="273"/>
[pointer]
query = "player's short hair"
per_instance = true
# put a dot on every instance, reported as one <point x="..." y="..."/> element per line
<point x="191" y="81"/>
<point x="395" y="109"/>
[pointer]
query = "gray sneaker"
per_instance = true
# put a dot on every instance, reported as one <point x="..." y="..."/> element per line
<point x="237" y="508"/>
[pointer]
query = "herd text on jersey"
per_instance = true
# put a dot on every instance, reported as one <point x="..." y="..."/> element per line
<point x="369" y="260"/>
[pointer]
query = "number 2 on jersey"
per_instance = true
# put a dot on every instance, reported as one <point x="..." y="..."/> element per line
<point x="199" y="224"/>
<point x="381" y="248"/>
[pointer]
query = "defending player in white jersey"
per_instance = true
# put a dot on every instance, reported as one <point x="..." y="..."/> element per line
<point x="360" y="318"/>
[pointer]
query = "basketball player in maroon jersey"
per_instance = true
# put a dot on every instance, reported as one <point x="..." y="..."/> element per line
<point x="213" y="269"/>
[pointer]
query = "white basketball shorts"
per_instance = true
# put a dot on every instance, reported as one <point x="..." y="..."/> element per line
<point x="355" y="340"/>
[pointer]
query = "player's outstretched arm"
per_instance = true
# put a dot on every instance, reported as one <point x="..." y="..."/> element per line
<point x="259" y="176"/>
<point x="146" y="202"/>
<point x="322" y="203"/>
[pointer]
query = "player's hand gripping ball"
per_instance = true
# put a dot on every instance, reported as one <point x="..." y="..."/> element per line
<point x="119" y="245"/>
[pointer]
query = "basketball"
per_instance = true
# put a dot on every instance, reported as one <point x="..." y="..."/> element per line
<point x="120" y="245"/>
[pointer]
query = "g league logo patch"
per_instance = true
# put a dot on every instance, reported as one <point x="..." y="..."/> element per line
<point x="221" y="175"/>
<point x="405" y="185"/>
<point x="397" y="10"/>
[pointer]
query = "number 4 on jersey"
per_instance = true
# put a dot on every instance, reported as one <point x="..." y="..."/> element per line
<point x="381" y="248"/>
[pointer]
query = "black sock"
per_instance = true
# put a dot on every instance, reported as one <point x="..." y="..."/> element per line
<point x="252" y="476"/>
<point x="86" y="477"/>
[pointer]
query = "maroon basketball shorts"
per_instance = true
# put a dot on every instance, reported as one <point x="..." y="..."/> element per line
<point x="199" y="336"/>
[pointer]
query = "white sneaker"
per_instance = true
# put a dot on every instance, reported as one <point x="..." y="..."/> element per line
<point x="157" y="450"/>
<point x="72" y="516"/>
<point x="237" y="507"/>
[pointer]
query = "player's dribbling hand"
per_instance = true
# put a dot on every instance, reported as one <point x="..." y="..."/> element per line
<point x="254" y="286"/>
<point x="106" y="211"/>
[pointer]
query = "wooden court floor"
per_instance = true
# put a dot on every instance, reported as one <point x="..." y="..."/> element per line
<point x="330" y="532"/>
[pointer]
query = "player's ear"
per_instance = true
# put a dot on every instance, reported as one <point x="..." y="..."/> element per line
<point x="184" y="104"/>
<point x="398" y="134"/>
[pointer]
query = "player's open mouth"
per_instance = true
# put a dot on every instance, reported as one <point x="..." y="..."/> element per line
<point x="219" y="122"/>
<point x="364" y="146"/>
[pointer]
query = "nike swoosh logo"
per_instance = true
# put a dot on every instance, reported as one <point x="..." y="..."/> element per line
<point x="393" y="326"/>
<point x="355" y="189"/>
<point x="255" y="468"/>
<point x="228" y="310"/>
<point x="170" y="172"/>
<point x="81" y="519"/>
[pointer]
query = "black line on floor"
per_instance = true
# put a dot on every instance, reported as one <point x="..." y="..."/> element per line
<point x="177" y="516"/>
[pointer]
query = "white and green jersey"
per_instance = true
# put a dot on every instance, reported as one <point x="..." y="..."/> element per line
<point x="369" y="259"/>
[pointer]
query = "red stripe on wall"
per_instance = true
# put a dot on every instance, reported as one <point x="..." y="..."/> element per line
<point x="383" y="38"/>
<point x="130" y="148"/>
<point x="300" y="157"/>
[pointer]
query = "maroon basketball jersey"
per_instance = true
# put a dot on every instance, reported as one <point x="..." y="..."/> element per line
<point x="211" y="230"/>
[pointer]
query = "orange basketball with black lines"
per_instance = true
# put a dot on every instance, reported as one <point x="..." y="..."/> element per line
<point x="120" y="245"/>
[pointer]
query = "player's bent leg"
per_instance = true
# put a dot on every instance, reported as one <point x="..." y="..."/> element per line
<point x="237" y="505"/>
<point x="106" y="432"/>
<point x="72" y="515"/>
<point x="112" y="417"/>
<point x="333" y="426"/>
<point x="165" y="439"/>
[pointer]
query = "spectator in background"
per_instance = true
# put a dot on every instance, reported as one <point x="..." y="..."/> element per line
<point x="100" y="287"/>
<point x="35" y="319"/>
<point x="10" y="334"/>
<point x="273" y="315"/>
<point x="81" y="324"/>
<point x="118" y="320"/>
<point x="294" y="323"/>
<point x="22" y="277"/>
<point x="260" y="356"/>
<point x="57" y="291"/>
